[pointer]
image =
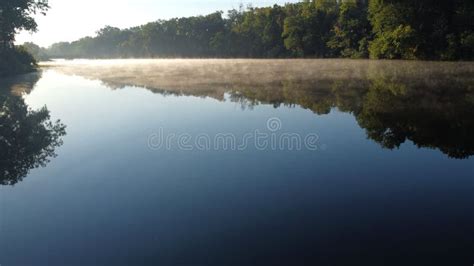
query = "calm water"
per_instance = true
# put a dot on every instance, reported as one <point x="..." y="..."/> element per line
<point x="158" y="163"/>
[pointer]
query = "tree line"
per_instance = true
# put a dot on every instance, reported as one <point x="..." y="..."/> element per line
<point x="379" y="29"/>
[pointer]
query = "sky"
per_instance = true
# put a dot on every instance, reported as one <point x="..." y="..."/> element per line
<point x="69" y="20"/>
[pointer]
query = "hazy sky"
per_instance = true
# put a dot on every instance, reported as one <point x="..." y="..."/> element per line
<point x="69" y="20"/>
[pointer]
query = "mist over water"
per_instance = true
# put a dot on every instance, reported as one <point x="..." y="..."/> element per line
<point x="193" y="74"/>
<point x="393" y="101"/>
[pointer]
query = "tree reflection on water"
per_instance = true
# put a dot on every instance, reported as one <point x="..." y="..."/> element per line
<point x="428" y="103"/>
<point x="28" y="138"/>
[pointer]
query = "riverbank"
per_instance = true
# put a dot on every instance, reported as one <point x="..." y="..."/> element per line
<point x="16" y="61"/>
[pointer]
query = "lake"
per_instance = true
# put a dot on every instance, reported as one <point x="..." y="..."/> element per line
<point x="238" y="162"/>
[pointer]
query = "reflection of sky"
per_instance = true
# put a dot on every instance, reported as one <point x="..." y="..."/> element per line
<point x="72" y="19"/>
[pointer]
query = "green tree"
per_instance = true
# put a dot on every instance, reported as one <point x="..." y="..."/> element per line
<point x="307" y="30"/>
<point x="391" y="29"/>
<point x="16" y="60"/>
<point x="39" y="53"/>
<point x="424" y="29"/>
<point x="17" y="15"/>
<point x="394" y="37"/>
<point x="294" y="35"/>
<point x="460" y="40"/>
<point x="352" y="30"/>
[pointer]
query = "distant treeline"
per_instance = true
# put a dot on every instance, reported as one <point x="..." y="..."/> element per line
<point x="392" y="29"/>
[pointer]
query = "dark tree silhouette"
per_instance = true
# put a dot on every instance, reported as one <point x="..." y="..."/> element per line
<point x="28" y="138"/>
<point x="15" y="16"/>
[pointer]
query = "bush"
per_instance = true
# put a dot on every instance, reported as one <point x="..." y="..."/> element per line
<point x="397" y="44"/>
<point x="16" y="61"/>
<point x="460" y="46"/>
<point x="37" y="52"/>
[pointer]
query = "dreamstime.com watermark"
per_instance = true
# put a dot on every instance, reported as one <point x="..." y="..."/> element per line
<point x="272" y="138"/>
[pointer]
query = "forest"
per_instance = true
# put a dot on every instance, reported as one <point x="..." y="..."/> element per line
<point x="377" y="29"/>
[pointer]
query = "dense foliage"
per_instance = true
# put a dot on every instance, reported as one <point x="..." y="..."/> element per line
<point x="392" y="29"/>
<point x="422" y="29"/>
<point x="38" y="53"/>
<point x="17" y="15"/>
<point x="16" y="60"/>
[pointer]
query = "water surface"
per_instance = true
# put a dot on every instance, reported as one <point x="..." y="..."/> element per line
<point x="389" y="178"/>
